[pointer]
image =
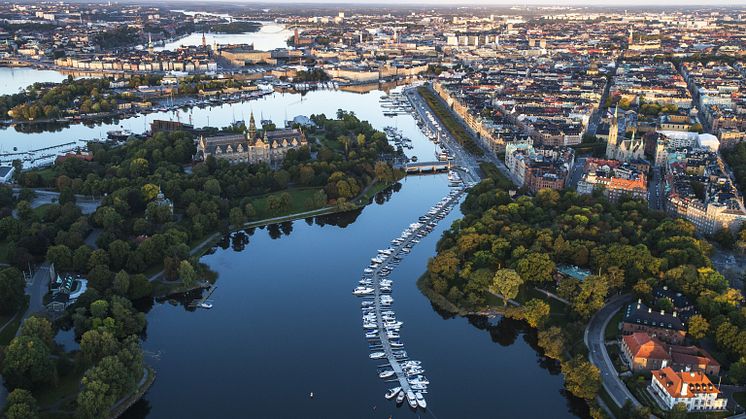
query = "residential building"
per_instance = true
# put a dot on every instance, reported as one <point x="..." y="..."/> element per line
<point x="691" y="388"/>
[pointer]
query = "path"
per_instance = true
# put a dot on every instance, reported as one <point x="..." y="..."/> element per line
<point x="36" y="291"/>
<point x="595" y="341"/>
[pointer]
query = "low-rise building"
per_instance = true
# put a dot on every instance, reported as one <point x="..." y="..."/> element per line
<point x="667" y="327"/>
<point x="691" y="388"/>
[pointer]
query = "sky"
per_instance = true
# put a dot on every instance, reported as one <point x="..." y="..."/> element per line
<point x="618" y="3"/>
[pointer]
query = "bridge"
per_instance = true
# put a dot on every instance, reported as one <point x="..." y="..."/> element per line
<point x="427" y="167"/>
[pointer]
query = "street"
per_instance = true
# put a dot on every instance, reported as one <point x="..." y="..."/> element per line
<point x="595" y="341"/>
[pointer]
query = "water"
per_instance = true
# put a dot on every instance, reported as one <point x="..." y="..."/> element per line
<point x="271" y="36"/>
<point x="15" y="79"/>
<point x="276" y="107"/>
<point x="286" y="324"/>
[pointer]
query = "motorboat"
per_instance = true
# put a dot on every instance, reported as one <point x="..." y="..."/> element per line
<point x="362" y="291"/>
<point x="412" y="399"/>
<point x="392" y="393"/>
<point x="420" y="379"/>
<point x="206" y="306"/>
<point x="386" y="374"/>
<point x="377" y="355"/>
<point x="400" y="397"/>
<point x="371" y="335"/>
<point x="420" y="400"/>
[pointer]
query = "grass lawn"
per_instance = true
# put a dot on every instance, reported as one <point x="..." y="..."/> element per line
<point x="298" y="200"/>
<point x="41" y="210"/>
<point x="612" y="329"/>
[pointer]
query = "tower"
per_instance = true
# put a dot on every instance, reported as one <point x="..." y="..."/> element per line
<point x="204" y="41"/>
<point x="296" y="38"/>
<point x="150" y="44"/>
<point x="611" y="143"/>
<point x="629" y="38"/>
<point x="252" y="126"/>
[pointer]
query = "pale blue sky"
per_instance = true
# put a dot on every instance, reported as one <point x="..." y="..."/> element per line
<point x="456" y="3"/>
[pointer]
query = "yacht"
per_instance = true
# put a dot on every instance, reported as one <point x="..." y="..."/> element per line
<point x="377" y="355"/>
<point x="362" y="291"/>
<point x="392" y="393"/>
<point x="420" y="400"/>
<point x="400" y="397"/>
<point x="412" y="399"/>
<point x="386" y="374"/>
<point x="371" y="335"/>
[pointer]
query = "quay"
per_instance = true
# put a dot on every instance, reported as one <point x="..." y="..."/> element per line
<point x="376" y="274"/>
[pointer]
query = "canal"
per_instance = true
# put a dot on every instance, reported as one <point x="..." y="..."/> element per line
<point x="285" y="324"/>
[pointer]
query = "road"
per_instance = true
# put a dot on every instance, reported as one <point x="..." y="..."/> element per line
<point x="655" y="190"/>
<point x="86" y="204"/>
<point x="577" y="172"/>
<point x="595" y="341"/>
<point x="36" y="290"/>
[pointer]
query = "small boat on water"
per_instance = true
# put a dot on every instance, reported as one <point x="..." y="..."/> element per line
<point x="387" y="374"/>
<point x="400" y="397"/>
<point x="420" y="400"/>
<point x="377" y="355"/>
<point x="412" y="399"/>
<point x="206" y="306"/>
<point x="392" y="393"/>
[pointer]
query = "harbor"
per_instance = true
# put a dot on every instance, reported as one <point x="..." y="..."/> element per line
<point x="382" y="329"/>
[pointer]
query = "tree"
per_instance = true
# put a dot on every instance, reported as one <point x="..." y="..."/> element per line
<point x="121" y="283"/>
<point x="95" y="345"/>
<point x="61" y="256"/>
<point x="39" y="327"/>
<point x="21" y="405"/>
<point x="12" y="290"/>
<point x="535" y="312"/>
<point x="592" y="295"/>
<point x="99" y="309"/>
<point x="236" y="217"/>
<point x="27" y="363"/>
<point x="552" y="340"/>
<point x="212" y="187"/>
<point x="582" y="378"/>
<point x="187" y="274"/>
<point x="698" y="326"/>
<point x="506" y="284"/>
<point x="536" y="267"/>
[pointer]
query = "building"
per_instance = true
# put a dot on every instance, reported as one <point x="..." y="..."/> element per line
<point x="539" y="167"/>
<point x="270" y="148"/>
<point x="691" y="388"/>
<point x="614" y="178"/>
<point x="623" y="149"/>
<point x="6" y="174"/>
<point x="668" y="328"/>
<point x="643" y="352"/>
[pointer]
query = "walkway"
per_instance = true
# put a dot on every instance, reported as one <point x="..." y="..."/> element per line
<point x="381" y="272"/>
<point x="36" y="291"/>
<point x="595" y="341"/>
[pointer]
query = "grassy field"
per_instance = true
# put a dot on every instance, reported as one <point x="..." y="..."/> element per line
<point x="449" y="120"/>
<point x="299" y="198"/>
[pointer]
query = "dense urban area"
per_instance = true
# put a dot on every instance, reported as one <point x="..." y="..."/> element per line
<point x="595" y="161"/>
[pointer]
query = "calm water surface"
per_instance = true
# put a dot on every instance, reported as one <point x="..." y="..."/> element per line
<point x="15" y="79"/>
<point x="286" y="324"/>
<point x="271" y="36"/>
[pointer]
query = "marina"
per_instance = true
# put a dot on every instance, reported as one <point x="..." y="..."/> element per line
<point x="379" y="321"/>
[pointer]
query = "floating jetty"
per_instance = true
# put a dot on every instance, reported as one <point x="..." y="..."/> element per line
<point x="381" y="327"/>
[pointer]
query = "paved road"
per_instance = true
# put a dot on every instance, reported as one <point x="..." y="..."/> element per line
<point x="86" y="204"/>
<point x="576" y="173"/>
<point x="655" y="190"/>
<point x="594" y="340"/>
<point x="36" y="290"/>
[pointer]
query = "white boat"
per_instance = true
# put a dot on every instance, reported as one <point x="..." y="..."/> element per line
<point x="392" y="393"/>
<point x="206" y="306"/>
<point x="362" y="291"/>
<point x="400" y="397"/>
<point x="386" y="374"/>
<point x="420" y="400"/>
<point x="377" y="355"/>
<point x="412" y="399"/>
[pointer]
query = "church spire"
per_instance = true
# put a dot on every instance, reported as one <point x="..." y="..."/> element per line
<point x="252" y="126"/>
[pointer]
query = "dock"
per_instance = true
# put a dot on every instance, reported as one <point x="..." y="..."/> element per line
<point x="408" y="239"/>
<point x="197" y="303"/>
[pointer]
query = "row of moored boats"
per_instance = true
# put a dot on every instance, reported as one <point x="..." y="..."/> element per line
<point x="379" y="320"/>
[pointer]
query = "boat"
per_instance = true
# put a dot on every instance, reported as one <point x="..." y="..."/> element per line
<point x="386" y="374"/>
<point x="392" y="393"/>
<point x="412" y="399"/>
<point x="377" y="355"/>
<point x="206" y="306"/>
<point x="400" y="397"/>
<point x="420" y="400"/>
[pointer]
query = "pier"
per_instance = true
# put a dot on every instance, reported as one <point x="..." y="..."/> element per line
<point x="198" y="303"/>
<point x="378" y="272"/>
